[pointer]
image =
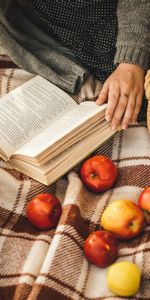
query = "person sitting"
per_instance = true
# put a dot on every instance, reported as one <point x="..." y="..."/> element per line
<point x="68" y="41"/>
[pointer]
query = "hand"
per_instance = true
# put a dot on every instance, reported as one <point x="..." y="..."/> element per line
<point x="123" y="90"/>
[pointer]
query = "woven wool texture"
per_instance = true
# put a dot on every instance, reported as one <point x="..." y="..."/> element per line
<point x="42" y="265"/>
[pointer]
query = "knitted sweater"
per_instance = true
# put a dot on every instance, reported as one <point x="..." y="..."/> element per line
<point x="35" y="51"/>
<point x="133" y="40"/>
<point x="95" y="35"/>
<point x="88" y="28"/>
<point x="99" y="33"/>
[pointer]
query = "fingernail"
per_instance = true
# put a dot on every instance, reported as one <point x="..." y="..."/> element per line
<point x="108" y="118"/>
<point x="113" y="127"/>
<point x="124" y="126"/>
<point x="98" y="101"/>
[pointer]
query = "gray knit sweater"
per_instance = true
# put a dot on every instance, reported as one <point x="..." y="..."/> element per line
<point x="133" y="40"/>
<point x="48" y="52"/>
<point x="35" y="51"/>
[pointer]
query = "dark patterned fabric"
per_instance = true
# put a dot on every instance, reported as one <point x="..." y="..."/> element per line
<point x="88" y="28"/>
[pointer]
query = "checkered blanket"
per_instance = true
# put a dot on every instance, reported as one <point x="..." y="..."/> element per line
<point x="42" y="265"/>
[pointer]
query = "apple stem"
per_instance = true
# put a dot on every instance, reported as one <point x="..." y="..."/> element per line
<point x="93" y="175"/>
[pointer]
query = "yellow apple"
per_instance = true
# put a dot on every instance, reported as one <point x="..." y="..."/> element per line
<point x="123" y="278"/>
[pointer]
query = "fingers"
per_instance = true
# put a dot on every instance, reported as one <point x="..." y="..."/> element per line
<point x="113" y="96"/>
<point x="118" y="97"/>
<point x="129" y="111"/>
<point x="123" y="90"/>
<point x="137" y="108"/>
<point x="103" y="96"/>
<point x="119" y="111"/>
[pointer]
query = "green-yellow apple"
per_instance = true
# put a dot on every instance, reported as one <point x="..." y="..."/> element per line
<point x="123" y="218"/>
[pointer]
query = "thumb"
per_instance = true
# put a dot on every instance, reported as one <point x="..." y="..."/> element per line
<point x="103" y="96"/>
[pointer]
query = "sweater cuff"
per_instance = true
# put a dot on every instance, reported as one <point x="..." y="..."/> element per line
<point x="128" y="54"/>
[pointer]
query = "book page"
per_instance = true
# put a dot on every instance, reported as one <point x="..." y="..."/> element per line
<point x="59" y="129"/>
<point x="63" y="162"/>
<point x="28" y="110"/>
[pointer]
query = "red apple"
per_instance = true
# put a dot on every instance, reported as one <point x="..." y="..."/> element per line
<point x="123" y="218"/>
<point x="144" y="203"/>
<point x="98" y="173"/>
<point x="101" y="248"/>
<point x="44" y="211"/>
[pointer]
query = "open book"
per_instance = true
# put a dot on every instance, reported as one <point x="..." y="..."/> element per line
<point x="44" y="132"/>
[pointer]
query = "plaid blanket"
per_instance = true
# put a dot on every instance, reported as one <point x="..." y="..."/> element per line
<point x="42" y="265"/>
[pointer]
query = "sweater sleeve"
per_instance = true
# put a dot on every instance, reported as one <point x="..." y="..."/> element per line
<point x="133" y="40"/>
